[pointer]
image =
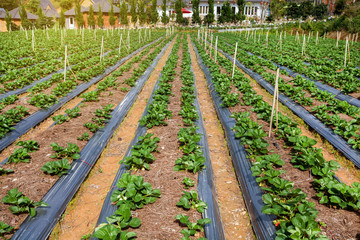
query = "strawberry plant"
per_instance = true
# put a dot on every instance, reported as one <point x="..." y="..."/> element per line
<point x="4" y="171"/>
<point x="190" y="200"/>
<point x="84" y="137"/>
<point x="21" y="203"/>
<point x="192" y="228"/>
<point x="188" y="182"/>
<point x="141" y="155"/>
<point x="70" y="152"/>
<point x="122" y="218"/>
<point x="134" y="192"/>
<point x="19" y="155"/>
<point x="110" y="232"/>
<point x="59" y="167"/>
<point x="30" y="145"/>
<point x="5" y="229"/>
<point x="42" y="100"/>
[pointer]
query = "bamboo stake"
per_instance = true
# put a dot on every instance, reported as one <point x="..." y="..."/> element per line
<point x="216" y="41"/>
<point x="275" y="98"/>
<point x="346" y="46"/>
<point x="267" y="38"/>
<point x="233" y="70"/>
<point x="303" y="47"/>
<point x="102" y="46"/>
<point x="33" y="41"/>
<point x="337" y="39"/>
<point x="120" y="43"/>
<point x="65" y="58"/>
<point x="211" y="44"/>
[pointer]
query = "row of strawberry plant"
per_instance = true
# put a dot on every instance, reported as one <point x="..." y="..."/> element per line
<point x="304" y="157"/>
<point x="347" y="129"/>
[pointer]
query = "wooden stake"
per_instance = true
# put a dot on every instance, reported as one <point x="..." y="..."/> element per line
<point x="205" y="38"/>
<point x="303" y="47"/>
<point x="216" y="41"/>
<point x="267" y="38"/>
<point x="33" y="41"/>
<point x="338" y="34"/>
<point x="65" y="58"/>
<point x="275" y="99"/>
<point x="346" y="46"/>
<point x="233" y="70"/>
<point x="102" y="46"/>
<point x="211" y="44"/>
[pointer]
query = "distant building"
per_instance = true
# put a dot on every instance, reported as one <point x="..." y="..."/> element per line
<point x="258" y="9"/>
<point x="15" y="18"/>
<point x="85" y="6"/>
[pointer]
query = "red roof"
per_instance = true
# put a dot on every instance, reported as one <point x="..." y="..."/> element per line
<point x="183" y="11"/>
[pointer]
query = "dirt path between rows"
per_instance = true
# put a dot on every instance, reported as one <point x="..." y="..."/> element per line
<point x="82" y="213"/>
<point x="233" y="211"/>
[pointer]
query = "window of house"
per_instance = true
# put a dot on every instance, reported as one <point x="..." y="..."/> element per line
<point x="207" y="9"/>
<point x="71" y="21"/>
<point x="256" y="10"/>
<point x="201" y="12"/>
<point x="218" y="10"/>
<point x="233" y="10"/>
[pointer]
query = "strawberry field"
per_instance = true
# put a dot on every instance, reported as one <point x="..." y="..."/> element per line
<point x="167" y="134"/>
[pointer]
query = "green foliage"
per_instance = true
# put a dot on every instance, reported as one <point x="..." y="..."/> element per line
<point x="100" y="18"/>
<point x="134" y="192"/>
<point x="124" y="13"/>
<point x="59" y="167"/>
<point x="141" y="155"/>
<point x="188" y="182"/>
<point x="339" y="7"/>
<point x="66" y="4"/>
<point x="210" y="17"/>
<point x="92" y="96"/>
<point x="5" y="229"/>
<point x="277" y="8"/>
<point x="110" y="232"/>
<point x="62" y="19"/>
<point x="190" y="200"/>
<point x="70" y="152"/>
<point x="79" y="18"/>
<point x="319" y="11"/>
<point x="91" y="18"/>
<point x="178" y="11"/>
<point x="164" y="18"/>
<point x="192" y="228"/>
<point x="196" y="13"/>
<point x="25" y="23"/>
<point x="33" y="6"/>
<point x="227" y="14"/>
<point x="19" y="155"/>
<point x="84" y="137"/>
<point x="21" y="203"/>
<point x="154" y="14"/>
<point x="112" y="16"/>
<point x="4" y="171"/>
<point x="133" y="12"/>
<point x="141" y="12"/>
<point x="43" y="100"/>
<point x="30" y="145"/>
<point x="69" y="114"/>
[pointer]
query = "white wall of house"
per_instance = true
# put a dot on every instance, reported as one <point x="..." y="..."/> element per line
<point x="70" y="22"/>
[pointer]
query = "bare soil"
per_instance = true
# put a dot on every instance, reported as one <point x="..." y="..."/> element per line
<point x="234" y="216"/>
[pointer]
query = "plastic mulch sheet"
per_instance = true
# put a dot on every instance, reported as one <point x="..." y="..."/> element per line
<point x="58" y="197"/>
<point x="262" y="223"/>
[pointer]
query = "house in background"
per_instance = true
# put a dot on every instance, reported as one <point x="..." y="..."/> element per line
<point x="15" y="18"/>
<point x="49" y="9"/>
<point x="258" y="9"/>
<point x="85" y="7"/>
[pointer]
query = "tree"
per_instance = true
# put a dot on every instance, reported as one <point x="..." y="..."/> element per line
<point x="100" y="19"/>
<point x="8" y="20"/>
<point x="123" y="13"/>
<point x="9" y="4"/>
<point x="340" y="7"/>
<point x="154" y="13"/>
<point x="178" y="11"/>
<point x="196" y="14"/>
<point x="133" y="12"/>
<point x="164" y="17"/>
<point x="111" y="16"/>
<point x="293" y="10"/>
<point x="25" y="23"/>
<point x="226" y="13"/>
<point x="33" y="6"/>
<point x="209" y="18"/>
<point x="62" y="19"/>
<point x="141" y="12"/>
<point x="319" y="11"/>
<point x="240" y="15"/>
<point x="66" y="4"/>
<point x="91" y="18"/>
<point x="307" y="9"/>
<point x="277" y="8"/>
<point x="79" y="18"/>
